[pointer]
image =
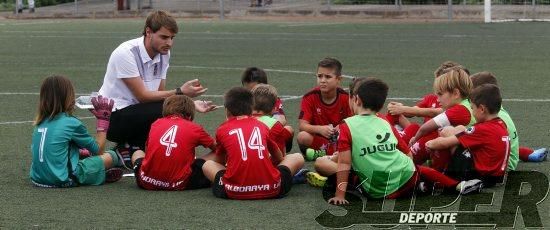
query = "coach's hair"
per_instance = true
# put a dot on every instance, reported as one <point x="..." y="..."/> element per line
<point x="331" y="63"/>
<point x="447" y="66"/>
<point x="487" y="95"/>
<point x="353" y="85"/>
<point x="454" y="79"/>
<point x="180" y="105"/>
<point x="56" y="96"/>
<point x="265" y="97"/>
<point x="238" y="101"/>
<point x="372" y="92"/>
<point x="484" y="77"/>
<point x="254" y="74"/>
<point x="158" y="19"/>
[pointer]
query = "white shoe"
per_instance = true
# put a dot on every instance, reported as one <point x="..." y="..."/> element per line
<point x="466" y="187"/>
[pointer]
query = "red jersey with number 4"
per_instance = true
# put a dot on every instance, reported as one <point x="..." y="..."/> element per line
<point x="489" y="145"/>
<point x="170" y="151"/>
<point x="428" y="101"/>
<point x="316" y="112"/>
<point x="246" y="143"/>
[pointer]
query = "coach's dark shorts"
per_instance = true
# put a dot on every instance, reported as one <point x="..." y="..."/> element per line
<point x="196" y="180"/>
<point x="132" y="124"/>
<point x="286" y="183"/>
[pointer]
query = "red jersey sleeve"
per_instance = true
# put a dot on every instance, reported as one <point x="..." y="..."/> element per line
<point x="344" y="139"/>
<point x="454" y="116"/>
<point x="424" y="103"/>
<point x="472" y="138"/>
<point x="280" y="135"/>
<point x="306" y="109"/>
<point x="204" y="138"/>
<point x="220" y="149"/>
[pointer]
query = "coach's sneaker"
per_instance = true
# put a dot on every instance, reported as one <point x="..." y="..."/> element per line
<point x="538" y="155"/>
<point x="300" y="176"/>
<point x="312" y="154"/>
<point x="125" y="153"/>
<point x="113" y="175"/>
<point x="315" y="180"/>
<point x="466" y="187"/>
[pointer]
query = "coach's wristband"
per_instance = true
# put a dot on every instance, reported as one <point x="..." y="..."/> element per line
<point x="178" y="91"/>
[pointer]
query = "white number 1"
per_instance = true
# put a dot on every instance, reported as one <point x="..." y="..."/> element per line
<point x="42" y="132"/>
<point x="506" y="140"/>
<point x="255" y="142"/>
<point x="168" y="138"/>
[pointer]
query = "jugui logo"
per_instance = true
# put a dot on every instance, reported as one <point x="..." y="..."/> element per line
<point x="419" y="210"/>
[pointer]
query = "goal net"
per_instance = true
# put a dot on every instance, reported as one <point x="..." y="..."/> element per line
<point x="516" y="10"/>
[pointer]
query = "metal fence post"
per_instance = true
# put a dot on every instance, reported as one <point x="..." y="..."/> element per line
<point x="222" y="11"/>
<point x="328" y="4"/>
<point x="76" y="6"/>
<point x="450" y="10"/>
<point x="16" y="8"/>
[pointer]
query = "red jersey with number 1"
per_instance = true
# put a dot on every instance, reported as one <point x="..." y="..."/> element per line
<point x="316" y="112"/>
<point x="169" y="153"/>
<point x="246" y="142"/>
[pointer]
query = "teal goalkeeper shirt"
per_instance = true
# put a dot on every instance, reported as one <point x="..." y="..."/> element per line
<point x="55" y="142"/>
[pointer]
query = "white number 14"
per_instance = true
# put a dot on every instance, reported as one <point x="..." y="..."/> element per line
<point x="254" y="142"/>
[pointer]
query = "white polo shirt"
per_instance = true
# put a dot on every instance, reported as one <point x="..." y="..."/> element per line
<point x="129" y="60"/>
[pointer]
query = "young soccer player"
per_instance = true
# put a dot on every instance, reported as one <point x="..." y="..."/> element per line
<point x="247" y="149"/>
<point x="367" y="146"/>
<point x="452" y="90"/>
<point x="486" y="144"/>
<point x="323" y="108"/>
<point x="253" y="76"/>
<point x="516" y="152"/>
<point x="58" y="136"/>
<point x="169" y="162"/>
<point x="265" y="97"/>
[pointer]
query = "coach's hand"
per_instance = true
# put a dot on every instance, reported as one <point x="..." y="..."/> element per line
<point x="204" y="106"/>
<point x="103" y="107"/>
<point x="193" y="88"/>
<point x="338" y="200"/>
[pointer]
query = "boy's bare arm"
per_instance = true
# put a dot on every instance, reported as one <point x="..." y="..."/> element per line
<point x="344" y="166"/>
<point x="323" y="130"/>
<point x="426" y="128"/>
<point x="442" y="143"/>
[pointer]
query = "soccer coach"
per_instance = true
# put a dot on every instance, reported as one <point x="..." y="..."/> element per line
<point x="136" y="80"/>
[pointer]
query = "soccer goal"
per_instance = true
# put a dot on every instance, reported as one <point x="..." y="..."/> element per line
<point x="516" y="10"/>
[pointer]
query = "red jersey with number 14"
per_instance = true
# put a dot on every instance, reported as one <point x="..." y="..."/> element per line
<point x="246" y="142"/>
<point x="170" y="151"/>
<point x="316" y="112"/>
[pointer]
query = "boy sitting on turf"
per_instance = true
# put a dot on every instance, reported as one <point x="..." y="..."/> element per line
<point x="516" y="152"/>
<point x="253" y="76"/>
<point x="169" y="162"/>
<point x="368" y="145"/>
<point x="485" y="145"/>
<point x="247" y="150"/>
<point x="323" y="108"/>
<point x="265" y="97"/>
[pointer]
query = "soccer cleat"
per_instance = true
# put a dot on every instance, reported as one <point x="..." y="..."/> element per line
<point x="113" y="175"/>
<point x="538" y="155"/>
<point x="312" y="154"/>
<point x="300" y="176"/>
<point x="125" y="152"/>
<point x="315" y="180"/>
<point x="470" y="186"/>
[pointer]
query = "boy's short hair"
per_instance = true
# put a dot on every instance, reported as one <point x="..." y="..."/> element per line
<point x="372" y="92"/>
<point x="238" y="101"/>
<point x="265" y="97"/>
<point x="331" y="63"/>
<point x="445" y="67"/>
<point x="158" y="19"/>
<point x="254" y="74"/>
<point x="484" y="77"/>
<point x="179" y="105"/>
<point x="456" y="78"/>
<point x="487" y="95"/>
<point x="354" y="84"/>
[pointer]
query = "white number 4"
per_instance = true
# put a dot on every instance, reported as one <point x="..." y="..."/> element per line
<point x="168" y="138"/>
<point x="254" y="143"/>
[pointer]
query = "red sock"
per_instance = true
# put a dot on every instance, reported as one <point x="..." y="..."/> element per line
<point x="440" y="159"/>
<point x="410" y="131"/>
<point x="524" y="153"/>
<point x="436" y="177"/>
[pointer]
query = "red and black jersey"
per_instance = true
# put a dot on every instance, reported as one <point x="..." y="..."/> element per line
<point x="489" y="145"/>
<point x="246" y="144"/>
<point x="316" y="112"/>
<point x="170" y="151"/>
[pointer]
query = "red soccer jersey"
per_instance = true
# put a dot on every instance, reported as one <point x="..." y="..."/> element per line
<point x="316" y="112"/>
<point x="245" y="142"/>
<point x="489" y="145"/>
<point x="280" y="135"/>
<point x="456" y="115"/>
<point x="278" y="108"/>
<point x="170" y="151"/>
<point x="428" y="101"/>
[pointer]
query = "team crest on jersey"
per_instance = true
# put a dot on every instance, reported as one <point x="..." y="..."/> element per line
<point x="470" y="130"/>
<point x="319" y="111"/>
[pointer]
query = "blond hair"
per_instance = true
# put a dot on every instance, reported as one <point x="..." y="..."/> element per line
<point x="265" y="97"/>
<point x="180" y="105"/>
<point x="456" y="78"/>
<point x="56" y="96"/>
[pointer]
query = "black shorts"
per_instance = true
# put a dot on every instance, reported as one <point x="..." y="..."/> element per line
<point x="461" y="167"/>
<point x="132" y="124"/>
<point x="218" y="189"/>
<point x="196" y="180"/>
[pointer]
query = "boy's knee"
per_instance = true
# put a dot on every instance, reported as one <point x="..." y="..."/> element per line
<point x="304" y="138"/>
<point x="137" y="154"/>
<point x="290" y="129"/>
